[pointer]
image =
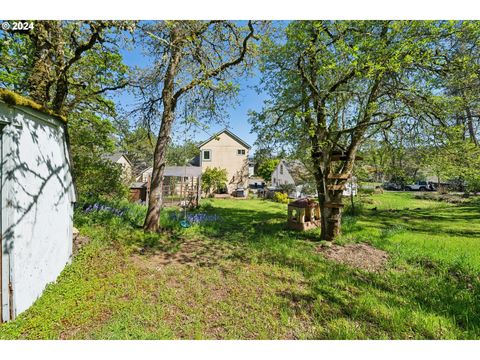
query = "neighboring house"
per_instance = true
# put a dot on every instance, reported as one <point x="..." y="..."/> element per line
<point x="227" y="151"/>
<point x="145" y="174"/>
<point x="294" y="172"/>
<point x="37" y="198"/>
<point x="124" y="162"/>
<point x="291" y="172"/>
<point x="351" y="186"/>
<point x="224" y="150"/>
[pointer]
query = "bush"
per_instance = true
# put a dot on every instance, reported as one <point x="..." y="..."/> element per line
<point x="214" y="179"/>
<point x="280" y="198"/>
<point x="287" y="188"/>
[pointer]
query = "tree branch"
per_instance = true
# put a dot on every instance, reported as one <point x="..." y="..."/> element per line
<point x="221" y="68"/>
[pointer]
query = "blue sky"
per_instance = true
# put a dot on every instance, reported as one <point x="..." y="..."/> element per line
<point x="248" y="99"/>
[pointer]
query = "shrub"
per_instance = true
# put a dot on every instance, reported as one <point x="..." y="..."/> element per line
<point x="287" y="188"/>
<point x="280" y="198"/>
<point x="214" y="179"/>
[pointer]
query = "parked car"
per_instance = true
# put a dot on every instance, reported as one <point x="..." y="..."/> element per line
<point x="420" y="186"/>
<point x="392" y="186"/>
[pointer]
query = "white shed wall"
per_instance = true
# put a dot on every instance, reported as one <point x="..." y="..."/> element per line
<point x="38" y="203"/>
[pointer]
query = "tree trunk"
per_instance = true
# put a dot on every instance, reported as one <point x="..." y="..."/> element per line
<point x="329" y="199"/>
<point x="152" y="220"/>
<point x="324" y="211"/>
<point x="42" y="75"/>
<point x="330" y="216"/>
<point x="334" y="219"/>
<point x="471" y="129"/>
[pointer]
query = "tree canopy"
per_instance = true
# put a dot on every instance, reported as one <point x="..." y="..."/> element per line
<point x="334" y="84"/>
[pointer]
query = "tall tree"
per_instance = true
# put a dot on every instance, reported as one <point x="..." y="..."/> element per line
<point x="461" y="77"/>
<point x="71" y="67"/>
<point x="66" y="65"/>
<point x="138" y="144"/>
<point x="194" y="59"/>
<point x="96" y="177"/>
<point x="333" y="84"/>
<point x="180" y="154"/>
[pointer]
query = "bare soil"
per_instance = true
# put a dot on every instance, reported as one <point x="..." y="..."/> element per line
<point x="79" y="241"/>
<point x="193" y="252"/>
<point x="361" y="256"/>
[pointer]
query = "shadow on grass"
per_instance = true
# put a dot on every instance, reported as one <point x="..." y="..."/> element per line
<point x="411" y="297"/>
<point x="428" y="221"/>
<point x="331" y="290"/>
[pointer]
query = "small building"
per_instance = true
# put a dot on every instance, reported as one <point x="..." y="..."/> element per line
<point x="124" y="162"/>
<point x="138" y="192"/>
<point x="294" y="172"/>
<point x="256" y="183"/>
<point x="37" y="198"/>
<point x="225" y="150"/>
<point x="180" y="184"/>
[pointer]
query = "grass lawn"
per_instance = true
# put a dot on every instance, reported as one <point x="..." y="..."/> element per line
<point x="242" y="275"/>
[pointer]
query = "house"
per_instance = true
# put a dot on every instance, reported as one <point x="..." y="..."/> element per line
<point x="226" y="150"/>
<point x="223" y="150"/>
<point x="294" y="172"/>
<point x="37" y="198"/>
<point x="124" y="162"/>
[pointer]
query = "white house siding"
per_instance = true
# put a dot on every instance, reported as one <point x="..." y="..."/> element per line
<point x="37" y="203"/>
<point x="281" y="176"/>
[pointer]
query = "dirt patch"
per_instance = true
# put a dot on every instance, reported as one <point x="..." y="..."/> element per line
<point x="192" y="252"/>
<point x="361" y="256"/>
<point x="79" y="241"/>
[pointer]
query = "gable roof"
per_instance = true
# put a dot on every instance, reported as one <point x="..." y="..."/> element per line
<point x="117" y="156"/>
<point x="229" y="133"/>
<point x="297" y="170"/>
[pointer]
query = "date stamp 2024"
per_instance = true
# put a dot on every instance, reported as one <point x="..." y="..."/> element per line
<point x="17" y="25"/>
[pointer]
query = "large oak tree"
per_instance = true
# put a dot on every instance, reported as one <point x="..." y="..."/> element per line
<point x="332" y="84"/>
<point x="196" y="64"/>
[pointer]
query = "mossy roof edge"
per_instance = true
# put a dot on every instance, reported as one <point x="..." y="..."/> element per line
<point x="12" y="98"/>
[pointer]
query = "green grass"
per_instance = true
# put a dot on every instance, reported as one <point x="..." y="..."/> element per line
<point x="246" y="277"/>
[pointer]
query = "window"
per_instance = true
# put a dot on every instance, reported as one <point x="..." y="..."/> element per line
<point x="281" y="169"/>
<point x="241" y="152"/>
<point x="207" y="156"/>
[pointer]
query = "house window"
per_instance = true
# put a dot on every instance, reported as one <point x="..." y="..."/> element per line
<point x="241" y="152"/>
<point x="281" y="169"/>
<point x="207" y="155"/>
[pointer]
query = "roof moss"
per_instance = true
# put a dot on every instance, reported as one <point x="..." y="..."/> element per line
<point x="11" y="98"/>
